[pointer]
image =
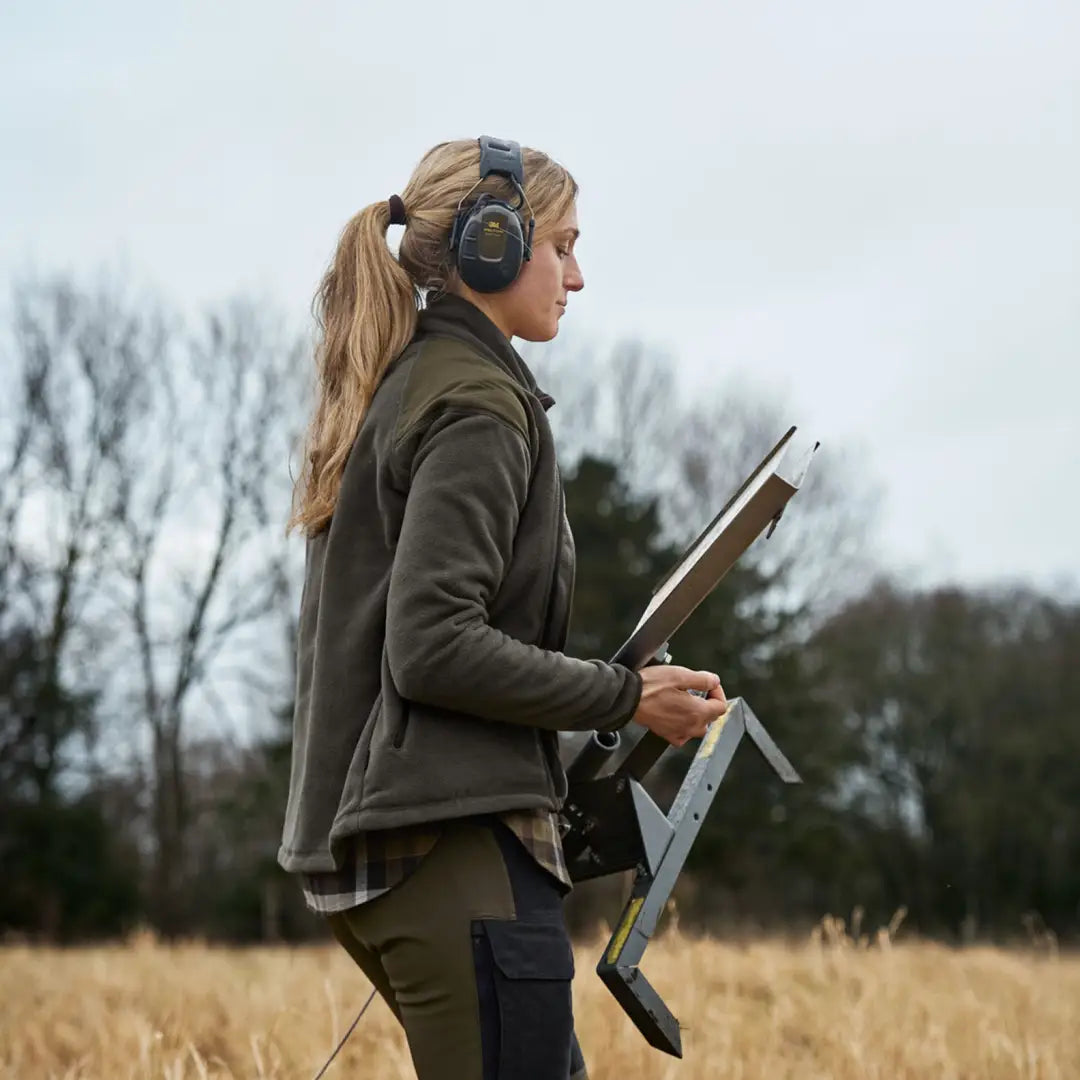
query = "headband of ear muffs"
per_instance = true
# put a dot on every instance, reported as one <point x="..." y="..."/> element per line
<point x="488" y="239"/>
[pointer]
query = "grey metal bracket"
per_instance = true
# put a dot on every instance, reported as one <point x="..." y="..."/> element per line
<point x="615" y="825"/>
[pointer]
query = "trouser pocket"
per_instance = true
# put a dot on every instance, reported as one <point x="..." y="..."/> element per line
<point x="523" y="976"/>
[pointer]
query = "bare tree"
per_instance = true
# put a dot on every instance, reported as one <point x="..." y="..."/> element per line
<point x="72" y="358"/>
<point x="624" y="405"/>
<point x="205" y="564"/>
<point x="819" y="555"/>
<point x="145" y="523"/>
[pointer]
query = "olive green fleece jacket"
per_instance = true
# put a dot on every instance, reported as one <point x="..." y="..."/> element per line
<point x="430" y="681"/>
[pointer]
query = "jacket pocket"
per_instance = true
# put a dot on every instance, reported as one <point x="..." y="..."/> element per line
<point x="399" y="724"/>
<point x="395" y="708"/>
<point x="352" y="793"/>
<point x="523" y="972"/>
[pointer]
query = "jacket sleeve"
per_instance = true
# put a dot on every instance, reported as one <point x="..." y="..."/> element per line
<point x="470" y="478"/>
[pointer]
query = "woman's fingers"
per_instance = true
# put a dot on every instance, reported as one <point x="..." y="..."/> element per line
<point x="689" y="679"/>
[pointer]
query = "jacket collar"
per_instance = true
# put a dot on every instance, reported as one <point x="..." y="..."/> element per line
<point x="455" y="316"/>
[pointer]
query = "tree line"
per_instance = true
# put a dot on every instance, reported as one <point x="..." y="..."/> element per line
<point x="148" y="598"/>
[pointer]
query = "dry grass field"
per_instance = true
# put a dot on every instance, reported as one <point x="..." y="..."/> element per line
<point x="829" y="1008"/>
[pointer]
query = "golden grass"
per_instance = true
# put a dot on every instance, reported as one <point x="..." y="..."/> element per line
<point x="829" y="1008"/>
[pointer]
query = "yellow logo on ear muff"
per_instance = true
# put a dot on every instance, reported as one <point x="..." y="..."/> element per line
<point x="493" y="226"/>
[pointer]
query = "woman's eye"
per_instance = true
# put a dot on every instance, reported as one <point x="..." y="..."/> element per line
<point x="563" y="251"/>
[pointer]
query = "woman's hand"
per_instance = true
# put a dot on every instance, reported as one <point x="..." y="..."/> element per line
<point x="666" y="708"/>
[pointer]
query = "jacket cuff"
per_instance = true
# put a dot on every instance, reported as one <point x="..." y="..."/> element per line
<point x="629" y="699"/>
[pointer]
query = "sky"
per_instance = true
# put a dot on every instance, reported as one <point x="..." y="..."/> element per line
<point x="868" y="212"/>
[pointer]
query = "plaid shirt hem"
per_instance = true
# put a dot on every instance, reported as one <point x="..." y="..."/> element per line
<point x="380" y="860"/>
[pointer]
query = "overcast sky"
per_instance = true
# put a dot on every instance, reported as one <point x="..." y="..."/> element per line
<point x="869" y="210"/>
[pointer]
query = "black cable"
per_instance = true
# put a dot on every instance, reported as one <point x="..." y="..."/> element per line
<point x="344" y="1037"/>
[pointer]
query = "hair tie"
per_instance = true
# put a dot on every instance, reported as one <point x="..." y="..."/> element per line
<point x="397" y="210"/>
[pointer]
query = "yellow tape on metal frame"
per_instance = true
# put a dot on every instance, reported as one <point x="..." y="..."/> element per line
<point x="619" y="940"/>
<point x="712" y="736"/>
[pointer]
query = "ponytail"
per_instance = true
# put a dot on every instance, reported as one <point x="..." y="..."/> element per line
<point x="366" y="311"/>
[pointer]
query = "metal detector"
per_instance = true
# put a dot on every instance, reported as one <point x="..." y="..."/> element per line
<point x="612" y="823"/>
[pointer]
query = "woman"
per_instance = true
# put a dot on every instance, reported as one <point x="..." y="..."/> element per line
<point x="426" y="781"/>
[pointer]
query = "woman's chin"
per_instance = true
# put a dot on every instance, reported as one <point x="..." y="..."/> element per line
<point x="540" y="333"/>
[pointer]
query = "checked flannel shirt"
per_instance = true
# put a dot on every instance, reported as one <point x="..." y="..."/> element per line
<point x="380" y="860"/>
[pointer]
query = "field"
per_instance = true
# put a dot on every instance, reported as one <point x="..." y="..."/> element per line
<point x="827" y="1008"/>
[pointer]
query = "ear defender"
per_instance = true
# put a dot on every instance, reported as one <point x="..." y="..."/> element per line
<point x="489" y="239"/>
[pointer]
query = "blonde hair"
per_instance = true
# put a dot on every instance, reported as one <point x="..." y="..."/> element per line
<point x="367" y="304"/>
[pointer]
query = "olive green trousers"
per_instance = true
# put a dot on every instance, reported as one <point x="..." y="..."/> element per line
<point x="472" y="954"/>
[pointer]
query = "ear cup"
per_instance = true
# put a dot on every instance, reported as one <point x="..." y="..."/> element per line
<point x="490" y="245"/>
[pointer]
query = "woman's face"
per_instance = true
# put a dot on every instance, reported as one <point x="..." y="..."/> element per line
<point x="531" y="307"/>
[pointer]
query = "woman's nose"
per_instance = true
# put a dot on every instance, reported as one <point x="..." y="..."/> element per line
<point x="572" y="279"/>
